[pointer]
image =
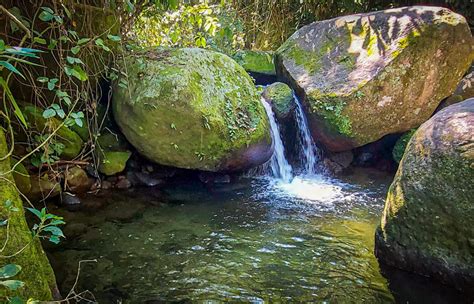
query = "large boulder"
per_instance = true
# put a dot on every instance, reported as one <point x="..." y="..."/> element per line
<point x="193" y="109"/>
<point x="426" y="226"/>
<point x="19" y="248"/>
<point x="368" y="75"/>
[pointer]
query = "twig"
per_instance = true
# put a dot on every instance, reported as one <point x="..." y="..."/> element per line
<point x="15" y="19"/>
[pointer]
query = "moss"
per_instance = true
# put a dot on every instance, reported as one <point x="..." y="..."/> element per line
<point x="331" y="107"/>
<point x="43" y="187"/>
<point x="21" y="177"/>
<point x="203" y="104"/>
<point x="71" y="141"/>
<point x="112" y="142"/>
<point x="400" y="145"/>
<point x="113" y="162"/>
<point x="256" y="61"/>
<point x="281" y="97"/>
<point x="36" y="272"/>
<point x="430" y="199"/>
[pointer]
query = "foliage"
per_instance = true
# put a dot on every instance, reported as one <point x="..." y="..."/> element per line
<point x="190" y="25"/>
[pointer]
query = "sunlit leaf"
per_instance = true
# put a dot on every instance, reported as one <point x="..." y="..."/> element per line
<point x="9" y="270"/>
<point x="10" y="67"/>
<point x="12" y="284"/>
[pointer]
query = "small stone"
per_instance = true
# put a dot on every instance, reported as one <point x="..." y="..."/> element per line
<point x="123" y="184"/>
<point x="76" y="180"/>
<point x="69" y="199"/>
<point x="106" y="185"/>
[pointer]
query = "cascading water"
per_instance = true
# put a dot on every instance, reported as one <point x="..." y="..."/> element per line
<point x="279" y="165"/>
<point x="308" y="149"/>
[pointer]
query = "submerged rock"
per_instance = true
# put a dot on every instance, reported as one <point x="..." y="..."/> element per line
<point x="280" y="96"/>
<point x="192" y="109"/>
<point x="426" y="225"/>
<point x="368" y="75"/>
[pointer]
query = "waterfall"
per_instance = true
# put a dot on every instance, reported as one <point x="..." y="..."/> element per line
<point x="308" y="149"/>
<point x="279" y="165"/>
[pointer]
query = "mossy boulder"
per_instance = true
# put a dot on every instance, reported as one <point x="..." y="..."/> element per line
<point x="260" y="62"/>
<point x="113" y="162"/>
<point x="36" y="273"/>
<point x="43" y="187"/>
<point x="280" y="96"/>
<point x="113" y="153"/>
<point x="401" y="144"/>
<point x="364" y="76"/>
<point x="71" y="140"/>
<point x="21" y="177"/>
<point x="194" y="109"/>
<point x="76" y="180"/>
<point x="426" y="225"/>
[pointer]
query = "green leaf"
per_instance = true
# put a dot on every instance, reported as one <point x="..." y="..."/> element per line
<point x="12" y="284"/>
<point x="52" y="44"/>
<point x="16" y="300"/>
<point x="48" y="113"/>
<point x="61" y="113"/>
<point x="46" y="14"/>
<point x="52" y="83"/>
<point x="54" y="239"/>
<point x="83" y="41"/>
<point x="10" y="67"/>
<point x="129" y="6"/>
<point x="55" y="231"/>
<point x="76" y="49"/>
<point x="42" y="79"/>
<point x="35" y="212"/>
<point x="10" y="97"/>
<point x="78" y="122"/>
<point x="9" y="270"/>
<point x="114" y="38"/>
<point x="39" y="40"/>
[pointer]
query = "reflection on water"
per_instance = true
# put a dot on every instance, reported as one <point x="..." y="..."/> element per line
<point x="253" y="241"/>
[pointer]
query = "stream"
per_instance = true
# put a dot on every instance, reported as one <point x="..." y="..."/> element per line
<point x="286" y="236"/>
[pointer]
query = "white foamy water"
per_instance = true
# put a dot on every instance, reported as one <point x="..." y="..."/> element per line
<point x="315" y="188"/>
<point x="278" y="163"/>
<point x="308" y="149"/>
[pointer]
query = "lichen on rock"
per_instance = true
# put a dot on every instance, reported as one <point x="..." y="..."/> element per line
<point x="425" y="224"/>
<point x="361" y="77"/>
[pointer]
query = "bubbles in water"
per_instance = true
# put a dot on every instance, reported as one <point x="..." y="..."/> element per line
<point x="315" y="188"/>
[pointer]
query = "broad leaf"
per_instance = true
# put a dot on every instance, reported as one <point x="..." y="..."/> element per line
<point x="9" y="270"/>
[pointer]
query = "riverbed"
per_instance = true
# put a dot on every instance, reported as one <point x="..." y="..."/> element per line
<point x="254" y="240"/>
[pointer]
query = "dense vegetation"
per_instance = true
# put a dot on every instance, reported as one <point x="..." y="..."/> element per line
<point x="58" y="60"/>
